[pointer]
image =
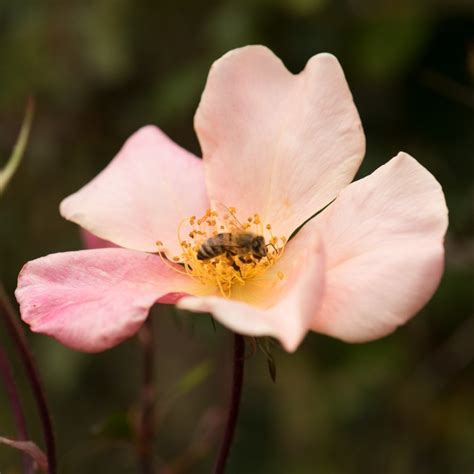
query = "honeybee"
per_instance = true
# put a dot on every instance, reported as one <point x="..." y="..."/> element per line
<point x="233" y="243"/>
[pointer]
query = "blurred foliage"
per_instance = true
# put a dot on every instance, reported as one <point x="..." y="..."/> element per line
<point x="100" y="70"/>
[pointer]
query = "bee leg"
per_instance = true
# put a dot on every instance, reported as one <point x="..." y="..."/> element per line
<point x="233" y="263"/>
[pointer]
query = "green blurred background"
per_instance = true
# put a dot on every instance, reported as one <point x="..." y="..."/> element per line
<point x="99" y="71"/>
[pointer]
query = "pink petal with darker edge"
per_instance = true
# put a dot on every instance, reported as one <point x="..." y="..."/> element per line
<point x="91" y="300"/>
<point x="91" y="241"/>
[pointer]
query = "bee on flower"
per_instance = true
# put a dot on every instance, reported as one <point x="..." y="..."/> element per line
<point x="312" y="251"/>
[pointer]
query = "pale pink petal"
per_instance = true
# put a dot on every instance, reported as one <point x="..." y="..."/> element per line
<point x="142" y="195"/>
<point x="383" y="238"/>
<point x="30" y="448"/>
<point x="91" y="241"/>
<point x="285" y="311"/>
<point x="274" y="143"/>
<point x="91" y="300"/>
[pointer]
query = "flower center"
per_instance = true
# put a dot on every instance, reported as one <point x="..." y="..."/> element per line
<point x="220" y="251"/>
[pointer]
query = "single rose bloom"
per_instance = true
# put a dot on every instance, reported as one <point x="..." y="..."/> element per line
<point x="239" y="233"/>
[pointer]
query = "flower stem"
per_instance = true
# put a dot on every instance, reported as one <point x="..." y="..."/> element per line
<point x="6" y="374"/>
<point x="146" y="433"/>
<point x="16" y="332"/>
<point x="234" y="405"/>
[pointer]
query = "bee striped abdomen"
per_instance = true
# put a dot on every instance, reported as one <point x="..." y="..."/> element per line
<point x="209" y="251"/>
<point x="233" y="244"/>
<point x="213" y="246"/>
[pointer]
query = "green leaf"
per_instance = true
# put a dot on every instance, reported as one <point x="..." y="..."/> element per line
<point x="265" y="345"/>
<point x="272" y="367"/>
<point x="213" y="323"/>
<point x="116" y="427"/>
<point x="18" y="150"/>
<point x="190" y="380"/>
<point x="194" y="377"/>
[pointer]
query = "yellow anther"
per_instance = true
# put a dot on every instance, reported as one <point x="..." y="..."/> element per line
<point x="224" y="271"/>
<point x="281" y="275"/>
<point x="159" y="243"/>
<point x="268" y="227"/>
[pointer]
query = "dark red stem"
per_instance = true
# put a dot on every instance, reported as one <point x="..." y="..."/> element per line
<point x="147" y="416"/>
<point x="237" y="382"/>
<point x="18" y="336"/>
<point x="12" y="392"/>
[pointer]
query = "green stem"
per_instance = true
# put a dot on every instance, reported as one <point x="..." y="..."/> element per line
<point x="8" y="171"/>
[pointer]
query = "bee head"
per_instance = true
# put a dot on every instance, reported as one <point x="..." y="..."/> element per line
<point x="259" y="250"/>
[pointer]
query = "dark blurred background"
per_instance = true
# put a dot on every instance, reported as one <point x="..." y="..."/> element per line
<point x="99" y="71"/>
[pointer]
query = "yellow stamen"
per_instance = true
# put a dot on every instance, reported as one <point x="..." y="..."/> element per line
<point x="221" y="273"/>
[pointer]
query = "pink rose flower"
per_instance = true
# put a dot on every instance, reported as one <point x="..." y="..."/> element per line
<point x="278" y="148"/>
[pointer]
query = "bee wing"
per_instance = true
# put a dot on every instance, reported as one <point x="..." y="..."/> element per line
<point x="232" y="245"/>
<point x="232" y="221"/>
<point x="228" y="239"/>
